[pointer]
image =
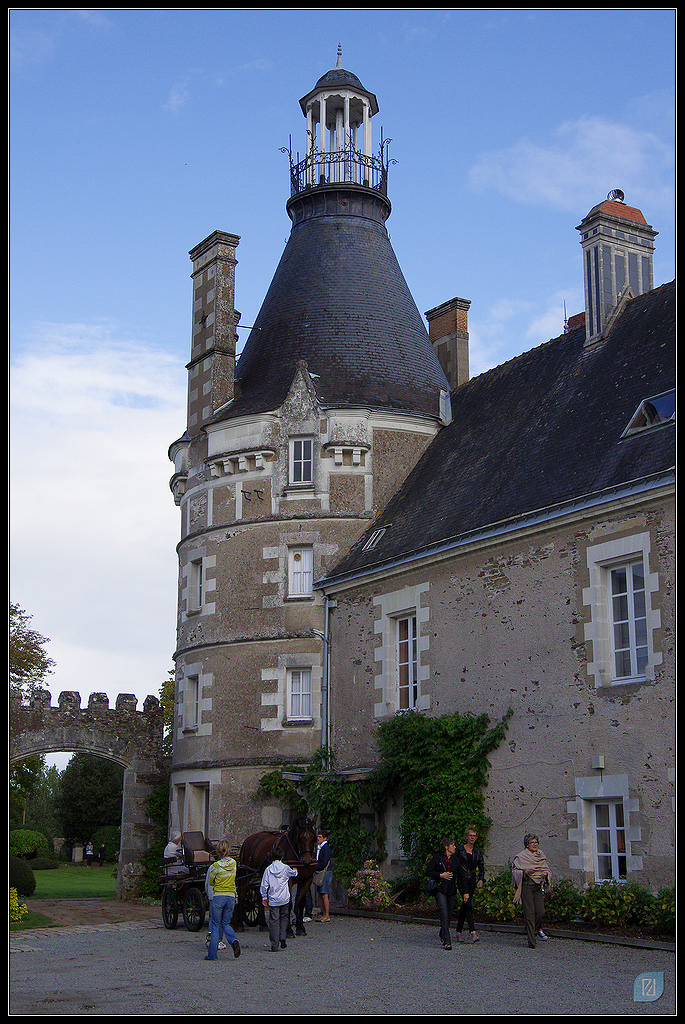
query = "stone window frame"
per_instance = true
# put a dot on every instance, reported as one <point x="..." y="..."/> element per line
<point x="294" y="551"/>
<point x="590" y="791"/>
<point x="278" y="697"/>
<point x="203" y="704"/>
<point x="198" y="583"/>
<point x="601" y="559"/>
<point x="392" y="607"/>
<point x="301" y="717"/>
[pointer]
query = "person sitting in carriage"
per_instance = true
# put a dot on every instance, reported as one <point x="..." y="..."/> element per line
<point x="174" y="849"/>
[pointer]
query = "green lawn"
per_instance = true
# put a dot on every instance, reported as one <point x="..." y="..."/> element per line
<point x="67" y="882"/>
<point x="75" y="881"/>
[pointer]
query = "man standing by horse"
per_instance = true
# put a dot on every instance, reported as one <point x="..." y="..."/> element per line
<point x="275" y="890"/>
<point x="323" y="876"/>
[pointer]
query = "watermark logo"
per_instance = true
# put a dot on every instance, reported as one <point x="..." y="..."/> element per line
<point x="648" y="986"/>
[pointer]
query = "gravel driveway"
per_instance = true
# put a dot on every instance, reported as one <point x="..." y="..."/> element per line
<point x="352" y="966"/>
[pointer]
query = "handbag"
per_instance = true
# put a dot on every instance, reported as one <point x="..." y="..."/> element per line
<point x="430" y="887"/>
<point x="318" y="876"/>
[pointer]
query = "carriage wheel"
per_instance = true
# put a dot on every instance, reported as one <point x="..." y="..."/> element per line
<point x="169" y="907"/>
<point x="251" y="906"/>
<point x="193" y="910"/>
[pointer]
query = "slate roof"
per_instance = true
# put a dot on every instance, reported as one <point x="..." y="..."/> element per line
<point x="339" y="301"/>
<point x="539" y="431"/>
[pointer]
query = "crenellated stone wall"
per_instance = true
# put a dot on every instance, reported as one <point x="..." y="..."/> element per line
<point x="122" y="734"/>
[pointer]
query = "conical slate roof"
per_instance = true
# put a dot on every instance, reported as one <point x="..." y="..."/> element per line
<point x="339" y="301"/>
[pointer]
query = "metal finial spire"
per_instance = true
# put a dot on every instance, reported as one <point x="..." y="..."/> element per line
<point x="339" y="64"/>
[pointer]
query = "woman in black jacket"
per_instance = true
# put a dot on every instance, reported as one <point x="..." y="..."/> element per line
<point x="470" y="872"/>
<point x="441" y="870"/>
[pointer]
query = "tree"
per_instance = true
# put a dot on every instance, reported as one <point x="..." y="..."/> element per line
<point x="41" y="806"/>
<point x="24" y="779"/>
<point x="91" y="796"/>
<point x="167" y="700"/>
<point x="28" y="666"/>
<point x="29" y="663"/>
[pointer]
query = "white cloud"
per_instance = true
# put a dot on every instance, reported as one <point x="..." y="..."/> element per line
<point x="586" y="158"/>
<point x="93" y="526"/>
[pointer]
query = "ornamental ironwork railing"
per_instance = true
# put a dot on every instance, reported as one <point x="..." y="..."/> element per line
<point x="341" y="166"/>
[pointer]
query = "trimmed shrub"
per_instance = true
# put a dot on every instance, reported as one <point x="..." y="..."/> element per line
<point x="24" y="842"/>
<point x="43" y="864"/>
<point x="21" y="877"/>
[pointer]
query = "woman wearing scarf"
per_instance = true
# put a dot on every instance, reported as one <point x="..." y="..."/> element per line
<point x="530" y="873"/>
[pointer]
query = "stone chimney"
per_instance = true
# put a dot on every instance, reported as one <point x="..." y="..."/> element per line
<point x="211" y="370"/>
<point x="618" y="248"/>
<point x="448" y="331"/>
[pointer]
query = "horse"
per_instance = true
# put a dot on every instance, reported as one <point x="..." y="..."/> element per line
<point x="296" y="846"/>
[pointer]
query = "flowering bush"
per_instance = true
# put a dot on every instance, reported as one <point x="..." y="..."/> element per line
<point x="17" y="909"/>
<point x="368" y="888"/>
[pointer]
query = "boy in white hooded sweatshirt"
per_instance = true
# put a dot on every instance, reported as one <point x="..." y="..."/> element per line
<point x="275" y="890"/>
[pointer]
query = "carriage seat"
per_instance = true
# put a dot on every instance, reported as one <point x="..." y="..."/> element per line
<point x="196" y="849"/>
<point x="171" y="867"/>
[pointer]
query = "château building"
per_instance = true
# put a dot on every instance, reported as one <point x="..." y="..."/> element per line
<point x="366" y="530"/>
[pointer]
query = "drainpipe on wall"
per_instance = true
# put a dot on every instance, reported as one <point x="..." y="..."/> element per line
<point x="325" y="676"/>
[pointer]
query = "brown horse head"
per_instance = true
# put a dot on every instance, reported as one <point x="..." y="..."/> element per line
<point x="302" y="836"/>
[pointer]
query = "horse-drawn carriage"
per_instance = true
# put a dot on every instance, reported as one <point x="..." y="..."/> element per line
<point x="183" y="885"/>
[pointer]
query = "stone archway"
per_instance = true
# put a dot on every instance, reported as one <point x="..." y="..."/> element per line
<point x="122" y="734"/>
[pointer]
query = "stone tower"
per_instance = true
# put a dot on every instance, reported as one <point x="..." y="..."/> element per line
<point x="287" y="457"/>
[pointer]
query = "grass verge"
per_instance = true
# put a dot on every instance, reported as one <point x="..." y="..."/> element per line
<point x="75" y="881"/>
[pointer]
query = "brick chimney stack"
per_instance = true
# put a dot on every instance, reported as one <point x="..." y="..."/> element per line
<point x="448" y="331"/>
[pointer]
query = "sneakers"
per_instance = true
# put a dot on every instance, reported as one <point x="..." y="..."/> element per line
<point x="541" y="934"/>
<point x="236" y="949"/>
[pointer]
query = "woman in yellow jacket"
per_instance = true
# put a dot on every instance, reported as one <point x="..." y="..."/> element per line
<point x="221" y="885"/>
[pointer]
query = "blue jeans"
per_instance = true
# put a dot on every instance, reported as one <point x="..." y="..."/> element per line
<point x="220" y="914"/>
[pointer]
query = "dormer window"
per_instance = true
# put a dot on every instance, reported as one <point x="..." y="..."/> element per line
<point x="652" y="412"/>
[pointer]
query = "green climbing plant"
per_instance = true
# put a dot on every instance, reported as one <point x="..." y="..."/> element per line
<point x="439" y="765"/>
<point x="339" y="803"/>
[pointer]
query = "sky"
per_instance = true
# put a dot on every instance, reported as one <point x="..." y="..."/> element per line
<point x="136" y="133"/>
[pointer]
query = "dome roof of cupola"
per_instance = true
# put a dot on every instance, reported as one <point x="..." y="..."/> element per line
<point x="339" y="76"/>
